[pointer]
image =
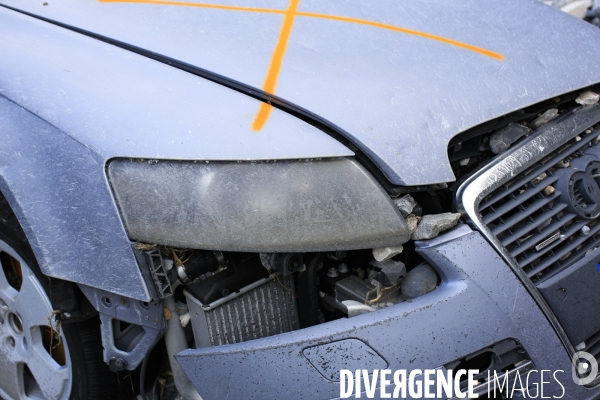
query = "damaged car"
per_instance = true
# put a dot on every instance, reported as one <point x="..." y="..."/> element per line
<point x="241" y="199"/>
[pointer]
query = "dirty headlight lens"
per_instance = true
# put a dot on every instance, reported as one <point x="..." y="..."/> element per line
<point x="283" y="206"/>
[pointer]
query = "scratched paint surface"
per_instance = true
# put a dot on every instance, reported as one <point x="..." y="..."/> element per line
<point x="69" y="103"/>
<point x="289" y="15"/>
<point x="400" y="97"/>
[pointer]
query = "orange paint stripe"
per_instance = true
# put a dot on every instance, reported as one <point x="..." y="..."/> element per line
<point x="200" y="5"/>
<point x="286" y="29"/>
<point x="394" y="28"/>
<point x="275" y="66"/>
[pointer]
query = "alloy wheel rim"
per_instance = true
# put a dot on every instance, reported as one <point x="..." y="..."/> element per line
<point x="34" y="357"/>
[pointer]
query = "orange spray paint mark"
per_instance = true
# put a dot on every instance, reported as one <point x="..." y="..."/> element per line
<point x="413" y="32"/>
<point x="286" y="30"/>
<point x="275" y="66"/>
<point x="199" y="5"/>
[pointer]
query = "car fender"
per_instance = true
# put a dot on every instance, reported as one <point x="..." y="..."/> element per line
<point x="69" y="104"/>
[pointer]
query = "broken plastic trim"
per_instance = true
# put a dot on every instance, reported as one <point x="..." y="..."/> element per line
<point x="283" y="206"/>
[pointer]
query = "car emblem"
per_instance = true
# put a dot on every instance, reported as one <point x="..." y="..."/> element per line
<point x="580" y="186"/>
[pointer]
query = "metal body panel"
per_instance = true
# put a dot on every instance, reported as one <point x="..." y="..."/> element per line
<point x="399" y="97"/>
<point x="121" y="104"/>
<point x="88" y="102"/>
<point x="58" y="191"/>
<point x="479" y="302"/>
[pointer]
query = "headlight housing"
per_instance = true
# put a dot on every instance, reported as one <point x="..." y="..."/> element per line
<point x="282" y="206"/>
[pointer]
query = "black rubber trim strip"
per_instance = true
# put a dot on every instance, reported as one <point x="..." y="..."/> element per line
<point x="318" y="122"/>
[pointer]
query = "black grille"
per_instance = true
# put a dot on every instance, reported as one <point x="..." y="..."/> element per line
<point x="592" y="346"/>
<point x="534" y="222"/>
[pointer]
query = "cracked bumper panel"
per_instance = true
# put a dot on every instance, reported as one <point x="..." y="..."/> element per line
<point x="479" y="302"/>
<point x="283" y="206"/>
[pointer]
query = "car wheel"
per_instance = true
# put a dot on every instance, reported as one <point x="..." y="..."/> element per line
<point x="40" y="359"/>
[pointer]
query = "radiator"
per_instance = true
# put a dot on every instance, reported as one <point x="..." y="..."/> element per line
<point x="265" y="308"/>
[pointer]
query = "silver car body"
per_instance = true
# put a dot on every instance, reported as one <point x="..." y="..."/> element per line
<point x="391" y="82"/>
<point x="409" y="96"/>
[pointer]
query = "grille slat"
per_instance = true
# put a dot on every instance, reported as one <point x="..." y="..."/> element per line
<point x="521" y="232"/>
<point x="595" y="338"/>
<point x="524" y="213"/>
<point x="535" y="255"/>
<point x="594" y="350"/>
<point x="540" y="228"/>
<point x="536" y="239"/>
<point x="519" y="199"/>
<point x="531" y="174"/>
<point x="569" y="248"/>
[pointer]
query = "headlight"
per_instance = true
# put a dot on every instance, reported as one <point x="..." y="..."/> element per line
<point x="282" y="206"/>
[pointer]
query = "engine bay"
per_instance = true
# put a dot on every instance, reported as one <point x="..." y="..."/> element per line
<point x="228" y="297"/>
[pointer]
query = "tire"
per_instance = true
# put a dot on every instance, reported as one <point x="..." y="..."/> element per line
<point x="35" y="360"/>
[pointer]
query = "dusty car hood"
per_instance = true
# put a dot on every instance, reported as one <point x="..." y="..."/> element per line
<point x="399" y="79"/>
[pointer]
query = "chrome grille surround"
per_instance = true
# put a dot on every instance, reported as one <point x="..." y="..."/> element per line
<point x="548" y="231"/>
<point x="508" y="166"/>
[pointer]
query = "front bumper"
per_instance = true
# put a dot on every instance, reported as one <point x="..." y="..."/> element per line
<point x="480" y="302"/>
